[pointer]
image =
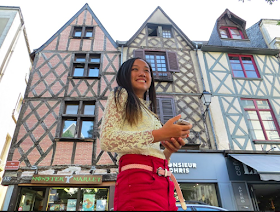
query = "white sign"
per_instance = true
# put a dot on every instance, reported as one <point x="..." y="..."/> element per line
<point x="181" y="168"/>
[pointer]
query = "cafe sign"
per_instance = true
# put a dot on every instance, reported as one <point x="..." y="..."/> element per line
<point x="67" y="179"/>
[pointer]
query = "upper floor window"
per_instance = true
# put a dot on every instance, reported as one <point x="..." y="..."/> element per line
<point x="78" y="119"/>
<point x="231" y="32"/>
<point x="17" y="108"/>
<point x="86" y="65"/>
<point x="165" y="108"/>
<point x="243" y="66"/>
<point x="163" y="63"/>
<point x="159" y="31"/>
<point x="262" y="122"/>
<point x="82" y="32"/>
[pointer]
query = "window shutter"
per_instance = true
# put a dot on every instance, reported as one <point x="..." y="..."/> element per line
<point x="139" y="53"/>
<point x="172" y="61"/>
<point x="166" y="109"/>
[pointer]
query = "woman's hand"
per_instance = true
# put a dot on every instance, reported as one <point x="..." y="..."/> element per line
<point x="172" y="146"/>
<point x="171" y="130"/>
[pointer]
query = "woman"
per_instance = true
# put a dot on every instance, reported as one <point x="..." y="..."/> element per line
<point x="130" y="127"/>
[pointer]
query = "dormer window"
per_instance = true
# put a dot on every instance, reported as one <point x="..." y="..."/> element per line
<point x="159" y="31"/>
<point x="231" y="32"/>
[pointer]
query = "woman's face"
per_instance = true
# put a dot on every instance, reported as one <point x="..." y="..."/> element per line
<point x="140" y="77"/>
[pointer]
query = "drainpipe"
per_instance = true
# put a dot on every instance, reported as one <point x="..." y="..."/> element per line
<point x="203" y="85"/>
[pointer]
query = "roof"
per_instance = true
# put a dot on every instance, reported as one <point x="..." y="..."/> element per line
<point x="192" y="45"/>
<point x="85" y="7"/>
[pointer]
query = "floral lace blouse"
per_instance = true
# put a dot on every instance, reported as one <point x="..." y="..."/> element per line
<point x="118" y="136"/>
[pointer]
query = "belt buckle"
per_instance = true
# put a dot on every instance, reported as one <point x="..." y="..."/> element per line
<point x="158" y="171"/>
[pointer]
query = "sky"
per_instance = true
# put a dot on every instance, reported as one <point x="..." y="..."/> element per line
<point x="122" y="18"/>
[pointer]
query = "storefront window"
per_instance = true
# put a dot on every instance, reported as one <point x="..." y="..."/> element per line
<point x="31" y="199"/>
<point x="84" y="199"/>
<point x="205" y="193"/>
<point x="94" y="199"/>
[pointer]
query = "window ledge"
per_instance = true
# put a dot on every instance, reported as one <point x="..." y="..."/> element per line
<point x="232" y="39"/>
<point x="266" y="142"/>
<point x="74" y="139"/>
<point x="244" y="78"/>
<point x="71" y="77"/>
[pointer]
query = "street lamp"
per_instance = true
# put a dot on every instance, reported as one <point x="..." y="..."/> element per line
<point x="206" y="99"/>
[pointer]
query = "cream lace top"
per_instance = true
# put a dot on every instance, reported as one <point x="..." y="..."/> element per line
<point x="118" y="136"/>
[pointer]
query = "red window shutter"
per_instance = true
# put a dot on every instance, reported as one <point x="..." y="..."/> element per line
<point x="172" y="61"/>
<point x="139" y="53"/>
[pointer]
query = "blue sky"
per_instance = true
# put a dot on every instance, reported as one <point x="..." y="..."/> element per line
<point x="122" y="18"/>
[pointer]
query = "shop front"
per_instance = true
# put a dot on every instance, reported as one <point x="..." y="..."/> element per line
<point x="255" y="180"/>
<point x="203" y="177"/>
<point x="63" y="193"/>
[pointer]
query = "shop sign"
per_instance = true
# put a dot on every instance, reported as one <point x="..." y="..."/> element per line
<point x="181" y="168"/>
<point x="12" y="165"/>
<point x="67" y="179"/>
<point x="241" y="195"/>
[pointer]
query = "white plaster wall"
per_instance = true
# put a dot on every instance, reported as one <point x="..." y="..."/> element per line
<point x="270" y="30"/>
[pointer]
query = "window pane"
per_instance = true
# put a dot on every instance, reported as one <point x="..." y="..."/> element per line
<point x="238" y="74"/>
<point x="235" y="34"/>
<point x="249" y="67"/>
<point x="87" y="129"/>
<point x="266" y="115"/>
<point x="269" y="125"/>
<point x="93" y="72"/>
<point x="94" y="199"/>
<point x="205" y="192"/>
<point x="273" y="135"/>
<point x="95" y="60"/>
<point x="257" y="134"/>
<point x="255" y="125"/>
<point x="236" y="66"/>
<point x="69" y="128"/>
<point x="252" y="115"/>
<point x="89" y="109"/>
<point x="248" y="103"/>
<point x="201" y="208"/>
<point x="78" y="33"/>
<point x="62" y="199"/>
<point x="80" y="58"/>
<point x="262" y="104"/>
<point x="251" y="74"/>
<point x="224" y="33"/>
<point x="89" y="34"/>
<point x="166" y="33"/>
<point x="71" y="109"/>
<point x="78" y="72"/>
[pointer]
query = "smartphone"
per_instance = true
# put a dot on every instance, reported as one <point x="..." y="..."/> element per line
<point x="183" y="122"/>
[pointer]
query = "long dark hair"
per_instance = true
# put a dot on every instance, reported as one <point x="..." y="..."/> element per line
<point x="133" y="104"/>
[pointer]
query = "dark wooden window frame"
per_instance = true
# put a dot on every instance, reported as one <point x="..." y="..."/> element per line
<point x="242" y="65"/>
<point x="79" y="117"/>
<point x="86" y="65"/>
<point x="260" y="119"/>
<point x="171" y="61"/>
<point x="83" y="30"/>
<point x="227" y="28"/>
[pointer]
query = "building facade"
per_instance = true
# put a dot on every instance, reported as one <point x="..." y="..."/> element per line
<point x="15" y="65"/>
<point x="61" y="165"/>
<point x="243" y="76"/>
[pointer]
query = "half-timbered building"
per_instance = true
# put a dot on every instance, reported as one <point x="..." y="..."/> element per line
<point x="243" y="74"/>
<point x="56" y="139"/>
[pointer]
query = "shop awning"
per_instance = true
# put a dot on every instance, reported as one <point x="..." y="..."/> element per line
<point x="268" y="166"/>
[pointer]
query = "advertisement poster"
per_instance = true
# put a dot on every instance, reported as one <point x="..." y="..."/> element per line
<point x="101" y="205"/>
<point x="71" y="204"/>
<point x="55" y="207"/>
<point x="88" y="202"/>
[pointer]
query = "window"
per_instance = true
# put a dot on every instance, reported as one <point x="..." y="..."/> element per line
<point x="262" y="122"/>
<point x="159" y="31"/>
<point x="82" y="32"/>
<point x="231" y="32"/>
<point x="17" y="108"/>
<point x="86" y="65"/>
<point x="165" y="109"/>
<point x="243" y="66"/>
<point x="163" y="63"/>
<point x="78" y="119"/>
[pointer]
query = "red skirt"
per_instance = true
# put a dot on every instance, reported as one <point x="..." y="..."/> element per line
<point x="142" y="190"/>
